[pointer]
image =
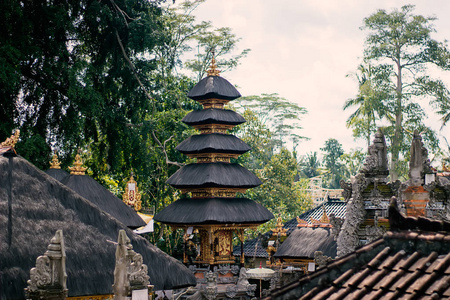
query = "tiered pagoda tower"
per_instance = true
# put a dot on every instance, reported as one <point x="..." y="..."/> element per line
<point x="210" y="206"/>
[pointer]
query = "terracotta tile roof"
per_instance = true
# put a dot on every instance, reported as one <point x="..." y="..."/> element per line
<point x="401" y="265"/>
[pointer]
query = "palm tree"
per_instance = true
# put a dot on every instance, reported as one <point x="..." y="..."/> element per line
<point x="310" y="165"/>
<point x="369" y="103"/>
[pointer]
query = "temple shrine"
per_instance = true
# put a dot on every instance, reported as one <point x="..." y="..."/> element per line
<point x="209" y="207"/>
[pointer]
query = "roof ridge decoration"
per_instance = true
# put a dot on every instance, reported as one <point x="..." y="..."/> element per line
<point x="12" y="140"/>
<point x="78" y="168"/>
<point x="132" y="196"/>
<point x="55" y="163"/>
<point x="213" y="68"/>
<point x="323" y="219"/>
<point x="301" y="222"/>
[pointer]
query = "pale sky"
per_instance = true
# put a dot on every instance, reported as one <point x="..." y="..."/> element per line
<point x="303" y="50"/>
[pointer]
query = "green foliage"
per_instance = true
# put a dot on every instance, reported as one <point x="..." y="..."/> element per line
<point x="368" y="102"/>
<point x="276" y="113"/>
<point x="258" y="137"/>
<point x="333" y="163"/>
<point x="310" y="165"/>
<point x="278" y="192"/>
<point x="184" y="37"/>
<point x="353" y="161"/>
<point x="399" y="44"/>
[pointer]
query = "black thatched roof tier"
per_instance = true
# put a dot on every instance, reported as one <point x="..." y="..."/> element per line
<point x="58" y="174"/>
<point x="213" y="116"/>
<point x="213" y="175"/>
<point x="304" y="241"/>
<point x="213" y="143"/>
<point x="214" y="211"/>
<point x="213" y="87"/>
<point x="34" y="205"/>
<point x="104" y="199"/>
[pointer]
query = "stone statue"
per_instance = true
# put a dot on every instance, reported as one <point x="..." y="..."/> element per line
<point x="320" y="259"/>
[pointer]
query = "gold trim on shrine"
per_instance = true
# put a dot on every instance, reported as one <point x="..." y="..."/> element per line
<point x="213" y="103"/>
<point x="132" y="196"/>
<point x="213" y="192"/>
<point x="279" y="230"/>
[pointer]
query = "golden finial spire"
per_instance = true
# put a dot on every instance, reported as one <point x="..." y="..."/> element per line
<point x="55" y="164"/>
<point x="78" y="168"/>
<point x="131" y="196"/>
<point x="11" y="141"/>
<point x="279" y="230"/>
<point x="213" y="68"/>
<point x="323" y="220"/>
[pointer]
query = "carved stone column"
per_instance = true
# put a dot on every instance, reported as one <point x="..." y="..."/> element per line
<point x="130" y="274"/>
<point x="48" y="279"/>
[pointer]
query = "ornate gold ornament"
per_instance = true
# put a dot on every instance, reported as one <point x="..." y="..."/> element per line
<point x="445" y="168"/>
<point x="323" y="220"/>
<point x="213" y="157"/>
<point x="213" y="192"/>
<point x="213" y="103"/>
<point x="301" y="222"/>
<point x="12" y="140"/>
<point x="279" y="230"/>
<point x="55" y="163"/>
<point x="131" y="196"/>
<point x="213" y="68"/>
<point x="78" y="168"/>
<point x="213" y="128"/>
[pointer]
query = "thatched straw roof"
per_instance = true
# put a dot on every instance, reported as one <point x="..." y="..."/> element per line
<point x="213" y="175"/>
<point x="34" y="205"/>
<point x="304" y="241"/>
<point x="213" y="87"/>
<point x="214" y="211"/>
<point x="213" y="143"/>
<point x="213" y="116"/>
<point x="58" y="174"/>
<point x="104" y="199"/>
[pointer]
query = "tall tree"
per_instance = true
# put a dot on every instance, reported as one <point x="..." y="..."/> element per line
<point x="332" y="161"/>
<point x="278" y="192"/>
<point x="401" y="42"/>
<point x="276" y="113"/>
<point x="368" y="102"/>
<point x="310" y="165"/>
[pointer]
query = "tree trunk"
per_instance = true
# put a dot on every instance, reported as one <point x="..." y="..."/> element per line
<point x="398" y="134"/>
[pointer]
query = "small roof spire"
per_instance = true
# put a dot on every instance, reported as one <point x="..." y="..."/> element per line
<point x="55" y="163"/>
<point x="213" y="68"/>
<point x="279" y="230"/>
<point x="78" y="168"/>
